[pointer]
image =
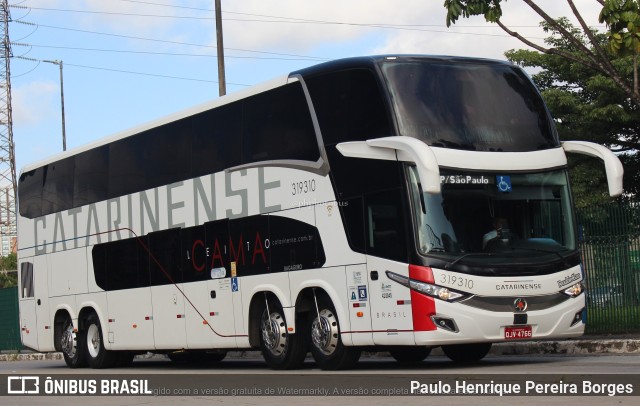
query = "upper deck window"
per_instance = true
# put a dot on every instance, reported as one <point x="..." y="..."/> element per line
<point x="471" y="106"/>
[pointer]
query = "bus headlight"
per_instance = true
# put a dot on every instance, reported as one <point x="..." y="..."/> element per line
<point x="425" y="288"/>
<point x="574" y="290"/>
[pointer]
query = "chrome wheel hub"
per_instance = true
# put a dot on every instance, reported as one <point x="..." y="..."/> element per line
<point x="93" y="340"/>
<point x="274" y="333"/>
<point x="68" y="341"/>
<point x="324" y="332"/>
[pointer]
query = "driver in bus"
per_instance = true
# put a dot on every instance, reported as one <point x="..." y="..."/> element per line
<point x="500" y="231"/>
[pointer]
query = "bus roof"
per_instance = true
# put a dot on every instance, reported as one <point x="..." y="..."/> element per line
<point x="277" y="82"/>
<point x="338" y="64"/>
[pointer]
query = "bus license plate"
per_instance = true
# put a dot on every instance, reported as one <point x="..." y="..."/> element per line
<point x="517" y="333"/>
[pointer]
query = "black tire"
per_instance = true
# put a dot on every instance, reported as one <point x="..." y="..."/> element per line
<point x="280" y="349"/>
<point x="466" y="353"/>
<point x="410" y="355"/>
<point x="97" y="356"/>
<point x="72" y="344"/>
<point x="326" y="344"/>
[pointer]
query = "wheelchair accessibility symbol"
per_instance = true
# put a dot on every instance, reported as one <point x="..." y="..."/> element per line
<point x="234" y="284"/>
<point x="503" y="183"/>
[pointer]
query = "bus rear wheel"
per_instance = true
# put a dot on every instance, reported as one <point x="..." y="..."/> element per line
<point x="326" y="345"/>
<point x="73" y="349"/>
<point x="280" y="349"/>
<point x="97" y="355"/>
<point x="466" y="353"/>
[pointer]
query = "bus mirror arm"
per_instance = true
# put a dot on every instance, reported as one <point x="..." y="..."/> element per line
<point x="612" y="164"/>
<point x="399" y="148"/>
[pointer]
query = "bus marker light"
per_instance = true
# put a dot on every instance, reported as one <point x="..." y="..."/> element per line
<point x="112" y="320"/>
<point x="360" y="314"/>
<point x="205" y="322"/>
<point x="289" y="328"/>
<point x="212" y="313"/>
<point x="135" y="326"/>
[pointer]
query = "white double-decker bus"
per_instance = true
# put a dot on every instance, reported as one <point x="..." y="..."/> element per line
<point x="394" y="202"/>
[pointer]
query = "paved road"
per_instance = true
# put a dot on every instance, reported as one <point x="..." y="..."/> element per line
<point x="493" y="367"/>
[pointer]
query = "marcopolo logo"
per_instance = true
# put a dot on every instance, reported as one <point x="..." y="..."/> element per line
<point x="23" y="385"/>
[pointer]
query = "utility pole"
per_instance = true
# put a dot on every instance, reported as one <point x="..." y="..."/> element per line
<point x="64" y="132"/>
<point x="222" y="83"/>
<point x="8" y="181"/>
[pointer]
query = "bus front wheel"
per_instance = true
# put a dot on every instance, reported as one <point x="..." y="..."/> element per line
<point x="326" y="345"/>
<point x="97" y="355"/>
<point x="466" y="353"/>
<point x="280" y="349"/>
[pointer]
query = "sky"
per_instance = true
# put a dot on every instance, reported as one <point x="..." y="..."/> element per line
<point x="129" y="62"/>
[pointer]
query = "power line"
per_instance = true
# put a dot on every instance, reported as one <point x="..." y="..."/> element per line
<point x="130" y="72"/>
<point x="157" y="53"/>
<point x="166" y="41"/>
<point x="288" y="20"/>
<point x="303" y="20"/>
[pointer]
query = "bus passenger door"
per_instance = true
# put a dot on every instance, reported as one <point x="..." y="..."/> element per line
<point x="27" y="301"/>
<point x="165" y="272"/>
<point x="43" y="318"/>
<point x="121" y="268"/>
<point x="391" y="314"/>
<point x="207" y="284"/>
<point x="385" y="240"/>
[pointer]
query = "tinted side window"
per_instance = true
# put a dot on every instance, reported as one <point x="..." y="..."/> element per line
<point x="216" y="139"/>
<point x="385" y="225"/>
<point x="277" y="125"/>
<point x="127" y="162"/>
<point x="168" y="153"/>
<point x="349" y="105"/>
<point x="30" y="193"/>
<point x="57" y="193"/>
<point x="164" y="257"/>
<point x="91" y="180"/>
<point x="126" y="264"/>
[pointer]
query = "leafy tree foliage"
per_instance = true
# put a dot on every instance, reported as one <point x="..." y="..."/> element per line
<point x="621" y="16"/>
<point x="8" y="263"/>
<point x="587" y="105"/>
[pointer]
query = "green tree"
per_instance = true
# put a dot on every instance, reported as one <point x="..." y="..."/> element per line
<point x="621" y="16"/>
<point x="587" y="105"/>
<point x="8" y="274"/>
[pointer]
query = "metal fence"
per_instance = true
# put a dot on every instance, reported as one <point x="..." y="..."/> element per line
<point x="9" y="324"/>
<point x="609" y="238"/>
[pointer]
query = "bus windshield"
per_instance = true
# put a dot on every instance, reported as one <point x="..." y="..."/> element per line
<point x="479" y="106"/>
<point x="494" y="216"/>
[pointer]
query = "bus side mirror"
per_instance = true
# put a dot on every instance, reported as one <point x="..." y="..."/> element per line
<point x="612" y="164"/>
<point x="400" y="148"/>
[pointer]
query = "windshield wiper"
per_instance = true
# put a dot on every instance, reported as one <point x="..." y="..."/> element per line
<point x="482" y="254"/>
<point x="557" y="253"/>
